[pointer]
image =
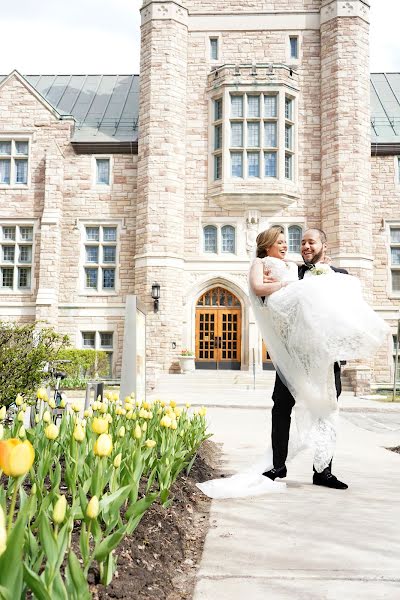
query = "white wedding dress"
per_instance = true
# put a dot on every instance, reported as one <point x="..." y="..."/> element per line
<point x="307" y="326"/>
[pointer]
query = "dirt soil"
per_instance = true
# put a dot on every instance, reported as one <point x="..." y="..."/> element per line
<point x="159" y="560"/>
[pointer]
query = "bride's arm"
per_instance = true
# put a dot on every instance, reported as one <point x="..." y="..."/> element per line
<point x="256" y="279"/>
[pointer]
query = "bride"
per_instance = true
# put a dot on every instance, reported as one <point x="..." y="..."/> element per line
<point x="308" y="326"/>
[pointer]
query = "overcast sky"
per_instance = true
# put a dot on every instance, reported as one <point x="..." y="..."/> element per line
<point x="102" y="36"/>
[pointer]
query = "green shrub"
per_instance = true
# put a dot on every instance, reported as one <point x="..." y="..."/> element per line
<point x="24" y="350"/>
<point x="85" y="364"/>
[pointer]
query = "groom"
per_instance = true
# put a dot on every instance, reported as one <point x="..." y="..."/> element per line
<point x="313" y="251"/>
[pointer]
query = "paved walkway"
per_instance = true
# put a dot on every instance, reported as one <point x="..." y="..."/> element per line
<point x="310" y="543"/>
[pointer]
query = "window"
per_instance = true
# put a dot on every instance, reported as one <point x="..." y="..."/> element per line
<point x="395" y="257"/>
<point x="293" y="235"/>
<point x="102" y="171"/>
<point x="100" y="257"/>
<point x="210" y="239"/>
<point x="398" y="169"/>
<point x="294" y="238"/>
<point x="261" y="136"/>
<point x="218" y="139"/>
<point x="102" y="341"/>
<point x="219" y="239"/>
<point x="294" y="47"/>
<point x="16" y="257"/>
<point x="228" y="239"/>
<point x="214" y="48"/>
<point x="14" y="157"/>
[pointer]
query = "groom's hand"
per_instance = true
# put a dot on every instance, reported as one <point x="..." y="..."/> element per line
<point x="267" y="277"/>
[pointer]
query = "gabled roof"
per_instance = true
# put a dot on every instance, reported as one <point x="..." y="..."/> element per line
<point x="105" y="107"/>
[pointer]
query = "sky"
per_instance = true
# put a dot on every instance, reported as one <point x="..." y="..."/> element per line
<point x="103" y="36"/>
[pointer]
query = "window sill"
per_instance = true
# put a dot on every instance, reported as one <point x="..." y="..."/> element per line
<point x="254" y="193"/>
<point x="15" y="186"/>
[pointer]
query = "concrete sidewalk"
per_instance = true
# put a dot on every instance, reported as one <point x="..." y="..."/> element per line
<point x="309" y="543"/>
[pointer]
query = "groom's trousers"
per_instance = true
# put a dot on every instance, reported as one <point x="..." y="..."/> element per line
<point x="281" y="417"/>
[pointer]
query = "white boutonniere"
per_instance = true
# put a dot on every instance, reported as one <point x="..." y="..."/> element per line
<point x="320" y="269"/>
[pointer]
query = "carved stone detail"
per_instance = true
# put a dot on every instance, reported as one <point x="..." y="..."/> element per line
<point x="351" y="8"/>
<point x="169" y="9"/>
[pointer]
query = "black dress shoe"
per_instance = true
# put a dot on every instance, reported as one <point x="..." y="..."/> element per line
<point x="278" y="473"/>
<point x="326" y="479"/>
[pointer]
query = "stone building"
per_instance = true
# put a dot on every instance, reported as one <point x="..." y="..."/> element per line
<point x="252" y="113"/>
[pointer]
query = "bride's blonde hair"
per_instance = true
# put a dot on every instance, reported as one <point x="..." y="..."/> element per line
<point x="266" y="239"/>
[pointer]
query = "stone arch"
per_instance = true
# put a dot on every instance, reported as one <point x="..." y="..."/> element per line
<point x="202" y="286"/>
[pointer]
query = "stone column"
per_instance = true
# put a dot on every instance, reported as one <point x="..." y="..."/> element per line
<point x="161" y="178"/>
<point x="346" y="210"/>
<point x="50" y="238"/>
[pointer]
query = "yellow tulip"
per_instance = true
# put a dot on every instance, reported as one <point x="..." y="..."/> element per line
<point x="174" y="425"/>
<point x="172" y="404"/>
<point x="99" y="425"/>
<point x="62" y="403"/>
<point x="52" y="404"/>
<point x="79" y="433"/>
<point x="142" y="413"/>
<point x="3" y="412"/>
<point x="46" y="416"/>
<point x="114" y="397"/>
<point x="108" y="418"/>
<point x="51" y="432"/>
<point x="20" y="416"/>
<point x="93" y="508"/>
<point x="59" y="510"/>
<point x="33" y="489"/>
<point x="103" y="408"/>
<point x="162" y="403"/>
<point x="177" y="411"/>
<point x="166" y="422"/>
<point x="128" y="406"/>
<point x="75" y="407"/>
<point x="202" y="411"/>
<point x="42" y="394"/>
<point x="37" y="419"/>
<point x="117" y="461"/>
<point x="16" y="457"/>
<point x="22" y="432"/>
<point x="24" y="406"/>
<point x="138" y="432"/>
<point x="88" y="413"/>
<point x="129" y="415"/>
<point x="1" y="431"/>
<point x="150" y="443"/>
<point x="3" y="532"/>
<point x="144" y="427"/>
<point x="138" y="403"/>
<point x="133" y="395"/>
<point x="103" y="445"/>
<point x="19" y="400"/>
<point x="187" y="405"/>
<point x="121" y="431"/>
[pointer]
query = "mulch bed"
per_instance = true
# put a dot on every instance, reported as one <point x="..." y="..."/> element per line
<point x="159" y="560"/>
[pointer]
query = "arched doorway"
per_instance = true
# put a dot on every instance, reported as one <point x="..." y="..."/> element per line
<point x="218" y="330"/>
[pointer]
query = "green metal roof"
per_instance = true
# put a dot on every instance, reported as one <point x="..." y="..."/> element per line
<point x="106" y="107"/>
<point x="385" y="108"/>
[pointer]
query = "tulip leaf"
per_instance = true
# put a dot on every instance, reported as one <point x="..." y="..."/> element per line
<point x="140" y="507"/>
<point x="11" y="560"/>
<point x="77" y="578"/>
<point x="35" y="584"/>
<point x="108" y="544"/>
<point x="47" y="539"/>
<point x="115" y="500"/>
<point x="110" y="566"/>
<point x="5" y="594"/>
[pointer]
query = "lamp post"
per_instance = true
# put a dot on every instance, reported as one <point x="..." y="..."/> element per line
<point x="155" y="294"/>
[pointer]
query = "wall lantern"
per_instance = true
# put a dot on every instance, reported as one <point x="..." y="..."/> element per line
<point x="155" y="294"/>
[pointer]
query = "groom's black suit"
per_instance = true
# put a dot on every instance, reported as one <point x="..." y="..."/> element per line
<point x="284" y="402"/>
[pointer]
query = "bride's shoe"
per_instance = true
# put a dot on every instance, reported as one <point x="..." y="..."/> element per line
<point x="279" y="473"/>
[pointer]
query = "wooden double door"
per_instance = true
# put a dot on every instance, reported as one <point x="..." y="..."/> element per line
<point x="218" y="330"/>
